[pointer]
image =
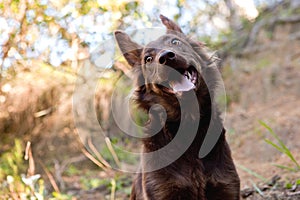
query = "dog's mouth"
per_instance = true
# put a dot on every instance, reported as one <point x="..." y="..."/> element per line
<point x="185" y="82"/>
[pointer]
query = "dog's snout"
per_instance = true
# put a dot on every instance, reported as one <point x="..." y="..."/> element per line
<point x="166" y="56"/>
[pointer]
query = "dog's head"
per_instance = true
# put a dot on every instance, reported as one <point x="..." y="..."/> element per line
<point x="171" y="64"/>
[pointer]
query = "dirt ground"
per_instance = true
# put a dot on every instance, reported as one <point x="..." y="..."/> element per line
<point x="269" y="92"/>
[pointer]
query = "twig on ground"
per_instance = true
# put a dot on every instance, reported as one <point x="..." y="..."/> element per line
<point x="94" y="160"/>
<point x="112" y="151"/>
<point x="28" y="156"/>
<point x="50" y="177"/>
<point x="97" y="154"/>
<point x="294" y="193"/>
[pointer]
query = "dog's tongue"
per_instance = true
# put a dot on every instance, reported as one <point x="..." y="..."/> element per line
<point x="183" y="85"/>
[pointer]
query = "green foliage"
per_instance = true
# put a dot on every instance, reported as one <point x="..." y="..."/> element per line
<point x="122" y="182"/>
<point x="12" y="163"/>
<point x="261" y="64"/>
<point x="117" y="183"/>
<point x="290" y="185"/>
<point x="60" y="196"/>
<point x="72" y="170"/>
<point x="14" y="184"/>
<point x="15" y="6"/>
<point x="86" y="6"/>
<point x="12" y="179"/>
<point x="281" y="147"/>
<point x="131" y="5"/>
<point x="122" y="154"/>
<point x="88" y="183"/>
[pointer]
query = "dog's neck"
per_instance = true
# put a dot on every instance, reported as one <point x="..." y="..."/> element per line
<point x="171" y="126"/>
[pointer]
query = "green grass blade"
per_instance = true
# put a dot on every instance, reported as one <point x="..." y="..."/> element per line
<point x="272" y="133"/>
<point x="281" y="147"/>
<point x="290" y="155"/>
<point x="285" y="167"/>
<point x="275" y="146"/>
<point x="251" y="172"/>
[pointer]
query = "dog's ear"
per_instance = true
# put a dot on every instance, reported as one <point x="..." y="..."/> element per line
<point x="131" y="50"/>
<point x="171" y="26"/>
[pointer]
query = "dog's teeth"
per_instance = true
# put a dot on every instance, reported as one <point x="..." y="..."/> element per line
<point x="188" y="75"/>
<point x="194" y="80"/>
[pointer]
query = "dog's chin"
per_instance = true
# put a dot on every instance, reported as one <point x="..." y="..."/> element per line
<point x="186" y="82"/>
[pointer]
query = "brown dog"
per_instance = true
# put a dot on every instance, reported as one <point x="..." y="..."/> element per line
<point x="188" y="177"/>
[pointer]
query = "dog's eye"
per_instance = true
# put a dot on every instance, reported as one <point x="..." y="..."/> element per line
<point x="148" y="59"/>
<point x="175" y="41"/>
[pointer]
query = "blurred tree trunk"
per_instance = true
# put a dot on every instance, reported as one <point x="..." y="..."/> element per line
<point x="234" y="18"/>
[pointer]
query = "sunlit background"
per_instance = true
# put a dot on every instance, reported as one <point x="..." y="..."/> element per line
<point x="53" y="30"/>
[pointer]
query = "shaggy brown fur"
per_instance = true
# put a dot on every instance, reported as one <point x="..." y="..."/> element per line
<point x="189" y="177"/>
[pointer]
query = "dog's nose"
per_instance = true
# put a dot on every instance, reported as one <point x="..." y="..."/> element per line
<point x="166" y="56"/>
